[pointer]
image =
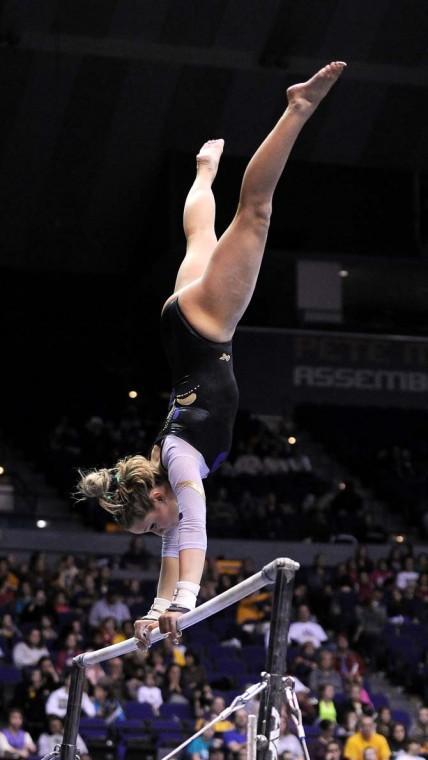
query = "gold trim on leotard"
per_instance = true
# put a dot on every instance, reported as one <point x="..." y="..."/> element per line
<point x="191" y="484"/>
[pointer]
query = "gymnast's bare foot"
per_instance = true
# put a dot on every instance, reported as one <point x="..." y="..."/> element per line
<point x="306" y="96"/>
<point x="209" y="156"/>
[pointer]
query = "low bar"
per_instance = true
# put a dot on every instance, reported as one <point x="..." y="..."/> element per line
<point x="264" y="577"/>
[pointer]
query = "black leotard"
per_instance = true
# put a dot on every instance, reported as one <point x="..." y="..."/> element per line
<point x="204" y="398"/>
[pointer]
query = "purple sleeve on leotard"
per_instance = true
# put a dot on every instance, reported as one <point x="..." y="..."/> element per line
<point x="186" y="468"/>
<point x="170" y="543"/>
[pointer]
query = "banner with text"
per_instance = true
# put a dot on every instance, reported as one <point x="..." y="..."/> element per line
<point x="277" y="367"/>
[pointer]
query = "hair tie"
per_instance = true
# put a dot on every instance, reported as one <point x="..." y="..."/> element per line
<point x="114" y="484"/>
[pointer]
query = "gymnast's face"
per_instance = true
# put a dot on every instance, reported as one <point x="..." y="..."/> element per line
<point x="162" y="517"/>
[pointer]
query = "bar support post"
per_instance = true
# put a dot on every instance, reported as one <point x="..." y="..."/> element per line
<point x="276" y="665"/>
<point x="74" y="706"/>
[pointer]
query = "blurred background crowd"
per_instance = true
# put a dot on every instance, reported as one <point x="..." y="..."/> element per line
<point x="350" y="622"/>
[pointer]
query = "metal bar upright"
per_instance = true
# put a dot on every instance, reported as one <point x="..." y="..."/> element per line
<point x="276" y="664"/>
<point x="74" y="707"/>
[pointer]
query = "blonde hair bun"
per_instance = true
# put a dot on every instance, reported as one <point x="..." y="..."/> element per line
<point x="95" y="485"/>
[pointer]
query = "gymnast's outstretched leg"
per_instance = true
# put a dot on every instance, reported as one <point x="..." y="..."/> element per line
<point x="215" y="303"/>
<point x="199" y="216"/>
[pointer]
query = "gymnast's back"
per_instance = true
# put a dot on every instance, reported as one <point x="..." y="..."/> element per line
<point x="204" y="398"/>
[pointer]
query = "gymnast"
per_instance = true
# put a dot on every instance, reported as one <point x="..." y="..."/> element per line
<point x="164" y="494"/>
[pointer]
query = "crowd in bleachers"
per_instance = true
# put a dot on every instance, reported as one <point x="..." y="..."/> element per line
<point x="348" y="621"/>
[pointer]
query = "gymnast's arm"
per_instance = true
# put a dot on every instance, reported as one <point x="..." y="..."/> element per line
<point x="188" y="540"/>
<point x="168" y="577"/>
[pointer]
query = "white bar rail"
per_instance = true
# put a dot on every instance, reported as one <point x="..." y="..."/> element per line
<point x="255" y="582"/>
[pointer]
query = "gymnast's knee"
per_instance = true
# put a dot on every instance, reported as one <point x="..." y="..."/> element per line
<point x="255" y="212"/>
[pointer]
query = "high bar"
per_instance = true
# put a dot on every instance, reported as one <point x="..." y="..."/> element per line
<point x="264" y="577"/>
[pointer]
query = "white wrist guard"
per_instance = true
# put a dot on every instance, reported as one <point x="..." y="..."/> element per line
<point x="157" y="609"/>
<point x="186" y="594"/>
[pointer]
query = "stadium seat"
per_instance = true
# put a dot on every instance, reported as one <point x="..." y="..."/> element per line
<point x="138" y="710"/>
<point x="177" y="710"/>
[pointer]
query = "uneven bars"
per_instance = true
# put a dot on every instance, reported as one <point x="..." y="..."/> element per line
<point x="264" y="577"/>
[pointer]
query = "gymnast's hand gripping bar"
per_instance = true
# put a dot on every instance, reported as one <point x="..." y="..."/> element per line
<point x="250" y="585"/>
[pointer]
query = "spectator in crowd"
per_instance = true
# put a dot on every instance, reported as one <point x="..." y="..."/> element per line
<point x="61" y="603"/>
<point x="106" y="705"/>
<point x="68" y="651"/>
<point x="325" y="673"/>
<point x="38" y="566"/>
<point x="333" y="750"/>
<point x="217" y="707"/>
<point x="30" y="696"/>
<point x="381" y="573"/>
<point x="126" y="631"/>
<point x="24" y="596"/>
<point x="48" y="741"/>
<point x="157" y="663"/>
<point x="234" y="739"/>
<point x="319" y="747"/>
<point x="252" y="610"/>
<point x="357" y="700"/>
<point x="9" y="634"/>
<point x="57" y="701"/>
<point x="108" y="631"/>
<point x="27" y="653"/>
<point x="372" y="617"/>
<point x="305" y="661"/>
<point x="86" y="596"/>
<point x="287" y="741"/>
<point x="14" y="741"/>
<point x="305" y="629"/>
<point x="199" y="748"/>
<point x="36" y="608"/>
<point x="50" y="676"/>
<point x="413" y="751"/>
<point x="194" y="675"/>
<point x="362" y="560"/>
<point x="366" y="737"/>
<point x="419" y="729"/>
<point x="326" y="706"/>
<point x="173" y="690"/>
<point x="347" y="662"/>
<point x="111" y="605"/>
<point x="348" y="724"/>
<point x="68" y="572"/>
<point x="407" y="575"/>
<point x="150" y="693"/>
<point x="48" y="631"/>
<point x="398" y="739"/>
<point x="115" y="672"/>
<point x="384" y="722"/>
<point x="202" y="700"/>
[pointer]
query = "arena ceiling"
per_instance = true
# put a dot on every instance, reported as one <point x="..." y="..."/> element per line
<point x="97" y="95"/>
<point x="103" y="105"/>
